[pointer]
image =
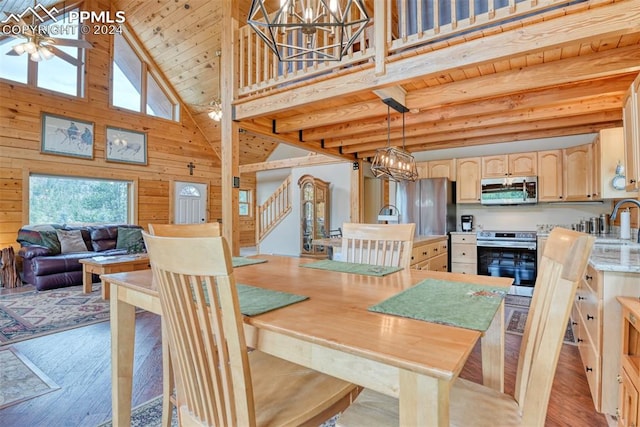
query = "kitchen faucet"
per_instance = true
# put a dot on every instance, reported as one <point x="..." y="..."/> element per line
<point x="620" y="203"/>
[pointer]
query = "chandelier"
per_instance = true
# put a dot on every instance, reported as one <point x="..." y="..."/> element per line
<point x="393" y="163"/>
<point x="215" y="106"/>
<point x="35" y="48"/>
<point x="309" y="30"/>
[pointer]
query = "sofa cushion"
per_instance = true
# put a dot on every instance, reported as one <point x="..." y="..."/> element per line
<point x="31" y="234"/>
<point x="71" y="241"/>
<point x="50" y="241"/>
<point x="130" y="239"/>
<point x="104" y="237"/>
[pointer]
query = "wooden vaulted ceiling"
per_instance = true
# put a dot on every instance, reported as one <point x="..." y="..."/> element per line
<point x="503" y="84"/>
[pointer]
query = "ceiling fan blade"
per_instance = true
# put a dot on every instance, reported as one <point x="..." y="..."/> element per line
<point x="64" y="55"/>
<point x="12" y="53"/>
<point x="71" y="42"/>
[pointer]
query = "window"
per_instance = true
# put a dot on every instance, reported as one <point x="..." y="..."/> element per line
<point x="244" y="202"/>
<point x="52" y="74"/>
<point x="135" y="86"/>
<point x="58" y="199"/>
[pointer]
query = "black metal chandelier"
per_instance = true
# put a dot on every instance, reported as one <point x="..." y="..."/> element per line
<point x="393" y="163"/>
<point x="309" y="30"/>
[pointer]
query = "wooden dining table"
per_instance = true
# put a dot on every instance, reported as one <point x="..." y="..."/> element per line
<point x="333" y="332"/>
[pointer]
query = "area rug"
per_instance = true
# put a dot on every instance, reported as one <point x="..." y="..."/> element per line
<point x="149" y="414"/>
<point x="36" y="313"/>
<point x="516" y="318"/>
<point x="20" y="379"/>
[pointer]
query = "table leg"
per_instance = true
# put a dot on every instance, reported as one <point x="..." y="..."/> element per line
<point x="492" y="345"/>
<point x="87" y="279"/>
<point x="106" y="294"/>
<point x="424" y="400"/>
<point x="123" y="316"/>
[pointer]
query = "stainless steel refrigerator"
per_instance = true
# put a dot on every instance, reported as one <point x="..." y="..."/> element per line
<point x="429" y="203"/>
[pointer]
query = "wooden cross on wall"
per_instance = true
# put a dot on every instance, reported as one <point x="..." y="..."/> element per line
<point x="191" y="167"/>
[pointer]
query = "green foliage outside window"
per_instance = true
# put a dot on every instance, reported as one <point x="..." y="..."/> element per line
<point x="63" y="200"/>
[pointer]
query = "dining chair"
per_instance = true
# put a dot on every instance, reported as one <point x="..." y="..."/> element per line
<point x="205" y="229"/>
<point x="378" y="244"/>
<point x="562" y="265"/>
<point x="221" y="383"/>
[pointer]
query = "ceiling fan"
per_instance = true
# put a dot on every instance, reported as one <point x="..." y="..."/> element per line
<point x="40" y="45"/>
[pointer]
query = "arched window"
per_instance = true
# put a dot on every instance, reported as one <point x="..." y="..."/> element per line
<point x="189" y="191"/>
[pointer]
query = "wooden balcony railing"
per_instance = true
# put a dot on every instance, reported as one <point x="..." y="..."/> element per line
<point x="410" y="25"/>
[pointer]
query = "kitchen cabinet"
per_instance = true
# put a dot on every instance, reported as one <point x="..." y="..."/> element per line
<point x="464" y="253"/>
<point x="629" y="378"/>
<point x="468" y="180"/>
<point x="578" y="169"/>
<point x="550" y="176"/>
<point x="631" y="123"/>
<point x="608" y="152"/>
<point x="596" y="319"/>
<point x="314" y="215"/>
<point x="430" y="254"/>
<point x="517" y="164"/>
<point x="437" y="169"/>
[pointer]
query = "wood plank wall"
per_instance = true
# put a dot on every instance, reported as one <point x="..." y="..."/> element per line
<point x="171" y="146"/>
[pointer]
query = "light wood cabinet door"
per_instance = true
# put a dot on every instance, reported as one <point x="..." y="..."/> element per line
<point x="631" y="119"/>
<point x="423" y="169"/>
<point x="495" y="166"/>
<point x="442" y="169"/>
<point x="577" y="166"/>
<point x="468" y="177"/>
<point x="596" y="169"/>
<point x="550" y="180"/>
<point x="523" y="164"/>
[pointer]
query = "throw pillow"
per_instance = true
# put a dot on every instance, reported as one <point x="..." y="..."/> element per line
<point x="130" y="239"/>
<point x="50" y="241"/>
<point x="71" y="241"/>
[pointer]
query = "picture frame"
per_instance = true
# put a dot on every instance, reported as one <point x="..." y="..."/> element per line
<point x="126" y="146"/>
<point x="66" y="136"/>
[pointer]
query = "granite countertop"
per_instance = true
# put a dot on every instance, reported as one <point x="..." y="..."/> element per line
<point x="616" y="257"/>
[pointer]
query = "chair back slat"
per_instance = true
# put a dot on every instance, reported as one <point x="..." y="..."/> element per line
<point x="378" y="244"/>
<point x="562" y="264"/>
<point x="200" y="306"/>
<point x="206" y="229"/>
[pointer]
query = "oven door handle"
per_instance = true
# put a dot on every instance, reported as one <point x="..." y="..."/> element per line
<point x="499" y="244"/>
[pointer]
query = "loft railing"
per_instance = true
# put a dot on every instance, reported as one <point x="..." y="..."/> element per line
<point x="411" y="24"/>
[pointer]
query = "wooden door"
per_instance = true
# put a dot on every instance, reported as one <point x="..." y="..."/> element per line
<point x="468" y="177"/>
<point x="577" y="163"/>
<point x="550" y="180"/>
<point x="523" y="164"/>
<point x="495" y="166"/>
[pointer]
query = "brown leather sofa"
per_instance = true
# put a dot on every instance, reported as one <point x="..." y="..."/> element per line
<point x="45" y="264"/>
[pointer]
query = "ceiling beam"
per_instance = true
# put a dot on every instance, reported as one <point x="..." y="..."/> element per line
<point x="599" y="22"/>
<point x="310" y="160"/>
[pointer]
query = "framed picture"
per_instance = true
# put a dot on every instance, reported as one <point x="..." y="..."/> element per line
<point x="66" y="136"/>
<point x="126" y="146"/>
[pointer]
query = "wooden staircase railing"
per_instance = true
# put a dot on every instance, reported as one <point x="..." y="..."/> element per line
<point x="273" y="210"/>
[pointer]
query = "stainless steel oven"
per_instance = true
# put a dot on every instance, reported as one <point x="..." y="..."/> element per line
<point x="509" y="254"/>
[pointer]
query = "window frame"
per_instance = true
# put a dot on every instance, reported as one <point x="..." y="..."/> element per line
<point x="148" y="69"/>
<point x="132" y="191"/>
<point x="32" y="67"/>
<point x="248" y="203"/>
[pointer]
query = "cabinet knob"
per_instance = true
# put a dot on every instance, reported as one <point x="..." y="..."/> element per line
<point x="589" y="369"/>
<point x="581" y="298"/>
<point x="580" y="340"/>
<point x="589" y="317"/>
<point x="587" y="277"/>
<point x="574" y="323"/>
<point x="632" y="181"/>
<point x="463" y="253"/>
<point x="619" y="379"/>
<point x="559" y="197"/>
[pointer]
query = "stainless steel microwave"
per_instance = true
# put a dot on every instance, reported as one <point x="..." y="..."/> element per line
<point x="517" y="190"/>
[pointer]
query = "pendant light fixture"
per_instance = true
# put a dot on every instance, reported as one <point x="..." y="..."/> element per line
<point x="393" y="163"/>
<point x="215" y="106"/>
<point x="309" y="30"/>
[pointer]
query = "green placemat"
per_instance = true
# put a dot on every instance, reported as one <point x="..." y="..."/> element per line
<point x="254" y="300"/>
<point x="451" y="303"/>
<point x="240" y="261"/>
<point x="350" y="267"/>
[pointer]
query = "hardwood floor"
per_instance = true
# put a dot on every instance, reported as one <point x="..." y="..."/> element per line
<point x="79" y="362"/>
